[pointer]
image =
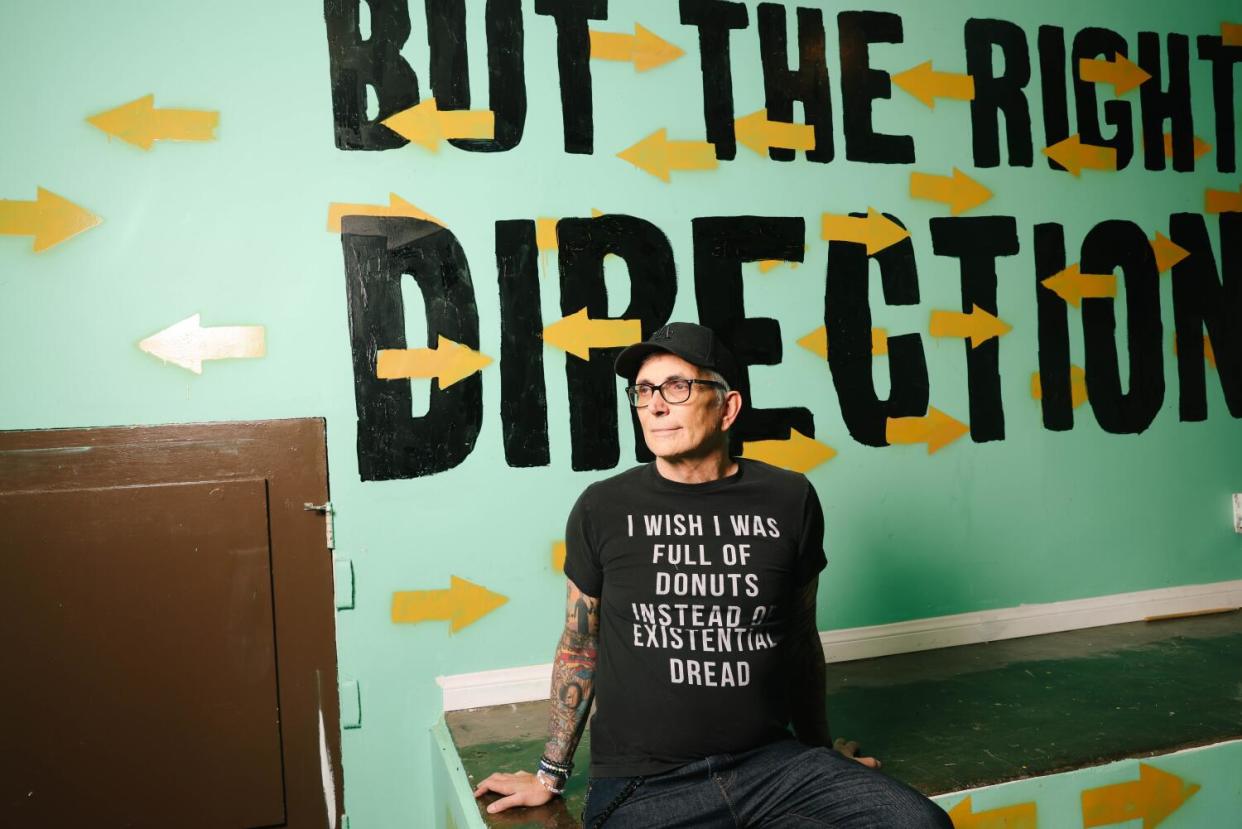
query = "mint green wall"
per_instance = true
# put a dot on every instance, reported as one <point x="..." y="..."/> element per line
<point x="235" y="230"/>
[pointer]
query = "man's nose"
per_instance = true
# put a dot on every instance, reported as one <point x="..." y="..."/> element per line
<point x="658" y="404"/>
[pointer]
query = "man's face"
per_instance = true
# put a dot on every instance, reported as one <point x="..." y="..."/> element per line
<point x="683" y="430"/>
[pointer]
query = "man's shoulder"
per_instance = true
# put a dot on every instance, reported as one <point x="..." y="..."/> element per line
<point x="774" y="476"/>
<point x="615" y="484"/>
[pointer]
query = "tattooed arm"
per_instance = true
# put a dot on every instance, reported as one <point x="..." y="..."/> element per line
<point x="573" y="689"/>
<point x="573" y="676"/>
<point x="808" y="694"/>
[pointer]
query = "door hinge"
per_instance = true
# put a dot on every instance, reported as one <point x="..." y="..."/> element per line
<point x="328" y="512"/>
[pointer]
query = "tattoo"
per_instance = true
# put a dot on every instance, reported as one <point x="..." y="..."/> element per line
<point x="573" y="675"/>
<point x="583" y="614"/>
<point x="576" y="656"/>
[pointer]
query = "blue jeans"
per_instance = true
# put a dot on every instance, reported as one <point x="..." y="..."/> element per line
<point x="784" y="784"/>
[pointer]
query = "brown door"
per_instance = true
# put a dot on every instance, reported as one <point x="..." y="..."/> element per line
<point x="168" y="628"/>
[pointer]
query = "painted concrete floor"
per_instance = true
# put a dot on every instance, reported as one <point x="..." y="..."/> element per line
<point x="959" y="718"/>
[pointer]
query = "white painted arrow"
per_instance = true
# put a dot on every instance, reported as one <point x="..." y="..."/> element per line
<point x="188" y="344"/>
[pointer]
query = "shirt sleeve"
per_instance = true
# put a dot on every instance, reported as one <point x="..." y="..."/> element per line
<point x="582" y="565"/>
<point x="811" y="558"/>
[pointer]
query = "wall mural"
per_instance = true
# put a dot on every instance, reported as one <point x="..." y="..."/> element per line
<point x="1075" y="280"/>
<point x="1042" y="100"/>
<point x="52" y="219"/>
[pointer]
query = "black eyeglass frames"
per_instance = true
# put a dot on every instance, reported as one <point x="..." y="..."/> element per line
<point x="674" y="391"/>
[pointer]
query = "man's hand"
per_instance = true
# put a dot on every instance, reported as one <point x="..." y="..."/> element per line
<point x="522" y="788"/>
<point x="849" y="748"/>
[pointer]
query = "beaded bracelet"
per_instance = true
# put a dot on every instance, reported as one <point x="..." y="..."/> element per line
<point x="544" y="779"/>
<point x="556" y="768"/>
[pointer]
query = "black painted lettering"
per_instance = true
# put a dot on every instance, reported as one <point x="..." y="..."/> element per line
<point x="1102" y="44"/>
<point x="715" y="19"/>
<point x="573" y="56"/>
<point x="847" y="317"/>
<point x="582" y="245"/>
<point x="1119" y="244"/>
<point x="523" y="398"/>
<point x="809" y="84"/>
<point x="1056" y="398"/>
<point x="1204" y="298"/>
<point x="379" y="252"/>
<point x="861" y="84"/>
<point x="721" y="245"/>
<point x="354" y="64"/>
<point x="997" y="94"/>
<point x="1052" y="85"/>
<point x="1223" y="59"/>
<point x="450" y="68"/>
<point x="1161" y="101"/>
<point x="976" y="242"/>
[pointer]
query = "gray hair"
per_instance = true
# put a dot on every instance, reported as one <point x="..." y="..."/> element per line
<point x="716" y="377"/>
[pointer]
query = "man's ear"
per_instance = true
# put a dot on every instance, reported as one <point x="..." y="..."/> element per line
<point x="732" y="407"/>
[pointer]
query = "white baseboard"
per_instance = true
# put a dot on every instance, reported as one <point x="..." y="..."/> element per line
<point x="1025" y="620"/>
<point x="500" y="687"/>
<point x="531" y="682"/>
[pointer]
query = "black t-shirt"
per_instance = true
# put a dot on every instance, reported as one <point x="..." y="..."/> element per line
<point x="696" y="583"/>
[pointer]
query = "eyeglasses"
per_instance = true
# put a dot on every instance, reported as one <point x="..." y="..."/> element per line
<point x="673" y="391"/>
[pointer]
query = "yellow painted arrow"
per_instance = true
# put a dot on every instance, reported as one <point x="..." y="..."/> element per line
<point x="927" y="84"/>
<point x="1168" y="253"/>
<point x="1222" y="201"/>
<point x="658" y="156"/>
<point x="758" y="133"/>
<point x="768" y="265"/>
<point x="643" y="48"/>
<point x="1124" y="75"/>
<point x="1078" y="386"/>
<point x="464" y="603"/>
<point x="578" y="334"/>
<point x="141" y="124"/>
<point x="1072" y="285"/>
<point x="1076" y="156"/>
<point x="1153" y="797"/>
<point x="545" y="234"/>
<point x="979" y="326"/>
<point x="1231" y="34"/>
<point x="397" y="206"/>
<point x="427" y="124"/>
<point x="448" y="361"/>
<point x="1202" y="147"/>
<point x="558" y="556"/>
<point x="188" y="344"/>
<point x="1017" y="816"/>
<point x="797" y="452"/>
<point x="936" y="429"/>
<point x="876" y="231"/>
<point x="817" y="342"/>
<point x="1208" y="353"/>
<point x="959" y="191"/>
<point x="50" y="219"/>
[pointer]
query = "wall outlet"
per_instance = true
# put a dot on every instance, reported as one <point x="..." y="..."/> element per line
<point x="1237" y="512"/>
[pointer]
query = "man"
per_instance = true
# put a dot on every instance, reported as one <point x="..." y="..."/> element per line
<point x="691" y="622"/>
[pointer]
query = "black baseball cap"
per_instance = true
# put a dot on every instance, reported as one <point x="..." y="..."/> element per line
<point x="693" y="343"/>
